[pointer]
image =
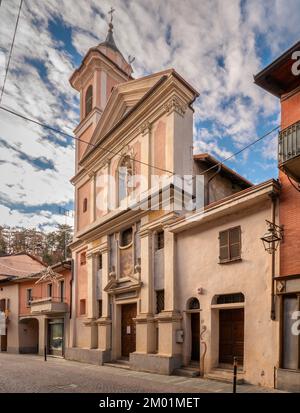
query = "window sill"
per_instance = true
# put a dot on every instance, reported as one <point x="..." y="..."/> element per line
<point x="230" y="261"/>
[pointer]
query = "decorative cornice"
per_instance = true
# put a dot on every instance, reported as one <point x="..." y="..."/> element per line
<point x="175" y="105"/>
<point x="145" y="232"/>
<point x="92" y="174"/>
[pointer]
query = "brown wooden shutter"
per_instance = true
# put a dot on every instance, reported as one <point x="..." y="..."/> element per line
<point x="224" y="246"/>
<point x="235" y="243"/>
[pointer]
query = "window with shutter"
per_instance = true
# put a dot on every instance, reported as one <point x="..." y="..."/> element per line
<point x="230" y="245"/>
<point x="224" y="250"/>
<point x="235" y="243"/>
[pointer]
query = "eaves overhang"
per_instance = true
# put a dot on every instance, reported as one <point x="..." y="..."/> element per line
<point x="278" y="78"/>
<point x="229" y="205"/>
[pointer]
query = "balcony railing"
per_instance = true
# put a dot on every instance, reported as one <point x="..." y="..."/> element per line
<point x="48" y="305"/>
<point x="289" y="150"/>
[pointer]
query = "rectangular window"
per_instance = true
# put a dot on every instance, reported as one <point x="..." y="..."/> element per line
<point x="2" y="305"/>
<point x="28" y="297"/>
<point x="99" y="308"/>
<point x="49" y="290"/>
<point x="230" y="245"/>
<point x="82" y="306"/>
<point x="160" y="301"/>
<point x="160" y="240"/>
<point x="83" y="258"/>
<point x="99" y="262"/>
<point x="290" y="340"/>
<point x="61" y="291"/>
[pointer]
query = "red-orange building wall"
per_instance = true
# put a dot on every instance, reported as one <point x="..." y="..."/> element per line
<point x="290" y="199"/>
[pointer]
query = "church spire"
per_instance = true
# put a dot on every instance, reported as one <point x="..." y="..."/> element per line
<point x="110" y="41"/>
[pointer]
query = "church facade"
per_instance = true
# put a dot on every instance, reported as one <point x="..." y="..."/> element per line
<point x="158" y="287"/>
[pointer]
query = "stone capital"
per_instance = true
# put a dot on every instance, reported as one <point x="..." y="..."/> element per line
<point x="144" y="318"/>
<point x="168" y="316"/>
<point x="175" y="105"/>
<point x="145" y="128"/>
<point x="103" y="321"/>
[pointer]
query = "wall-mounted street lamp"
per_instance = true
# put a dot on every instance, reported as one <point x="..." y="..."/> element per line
<point x="271" y="241"/>
<point x="272" y="237"/>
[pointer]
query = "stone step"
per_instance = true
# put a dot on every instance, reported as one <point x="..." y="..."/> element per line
<point x="187" y="371"/>
<point x="225" y="376"/>
<point x="121" y="364"/>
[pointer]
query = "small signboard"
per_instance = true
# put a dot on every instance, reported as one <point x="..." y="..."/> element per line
<point x="2" y="324"/>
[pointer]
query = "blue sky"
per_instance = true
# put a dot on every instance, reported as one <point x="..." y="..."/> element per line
<point x="216" y="45"/>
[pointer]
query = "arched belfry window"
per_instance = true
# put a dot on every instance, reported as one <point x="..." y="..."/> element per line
<point x="89" y="100"/>
<point x="125" y="175"/>
<point x="193" y="304"/>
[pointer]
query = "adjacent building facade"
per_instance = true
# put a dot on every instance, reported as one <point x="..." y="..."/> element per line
<point x="283" y="80"/>
<point x="36" y="301"/>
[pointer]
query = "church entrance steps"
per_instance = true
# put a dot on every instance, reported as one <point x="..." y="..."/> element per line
<point x="121" y="364"/>
<point x="188" y="371"/>
<point x="225" y="375"/>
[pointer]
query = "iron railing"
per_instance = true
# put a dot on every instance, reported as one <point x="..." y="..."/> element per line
<point x="289" y="143"/>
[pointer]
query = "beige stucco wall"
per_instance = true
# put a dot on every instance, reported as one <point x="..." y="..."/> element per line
<point x="198" y="266"/>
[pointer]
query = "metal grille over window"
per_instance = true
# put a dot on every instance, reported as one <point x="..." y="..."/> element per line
<point x="194" y="304"/>
<point x="160" y="240"/>
<point x="100" y="262"/>
<point x="160" y="301"/>
<point x="230" y="298"/>
<point x="230" y="245"/>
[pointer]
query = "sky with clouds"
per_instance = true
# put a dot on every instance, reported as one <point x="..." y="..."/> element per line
<point x="217" y="45"/>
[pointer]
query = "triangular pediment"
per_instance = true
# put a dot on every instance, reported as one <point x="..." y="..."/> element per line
<point x="123" y="98"/>
<point x="115" y="287"/>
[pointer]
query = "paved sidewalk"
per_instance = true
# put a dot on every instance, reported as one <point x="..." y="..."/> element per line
<point x="28" y="373"/>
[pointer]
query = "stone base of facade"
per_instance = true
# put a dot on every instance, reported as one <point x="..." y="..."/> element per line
<point x="14" y="350"/>
<point x="85" y="355"/>
<point x="155" y="363"/>
<point x="28" y="350"/>
<point x="288" y="380"/>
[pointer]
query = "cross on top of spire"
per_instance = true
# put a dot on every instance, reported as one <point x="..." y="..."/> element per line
<point x="112" y="10"/>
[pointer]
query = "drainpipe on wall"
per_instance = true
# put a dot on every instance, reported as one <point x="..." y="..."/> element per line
<point x="71" y="287"/>
<point x="273" y="196"/>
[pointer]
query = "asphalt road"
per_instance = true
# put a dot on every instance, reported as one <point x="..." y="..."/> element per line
<point x="31" y="374"/>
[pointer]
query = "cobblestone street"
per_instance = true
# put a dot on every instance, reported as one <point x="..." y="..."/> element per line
<point x="28" y="373"/>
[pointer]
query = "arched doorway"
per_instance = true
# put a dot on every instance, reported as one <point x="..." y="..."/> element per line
<point x="29" y="336"/>
<point x="193" y="307"/>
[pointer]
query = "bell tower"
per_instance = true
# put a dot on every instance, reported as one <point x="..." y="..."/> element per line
<point x="102" y="68"/>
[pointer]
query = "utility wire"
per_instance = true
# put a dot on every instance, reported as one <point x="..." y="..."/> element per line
<point x="11" y="49"/>
<point x="241" y="150"/>
<point x="43" y="125"/>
